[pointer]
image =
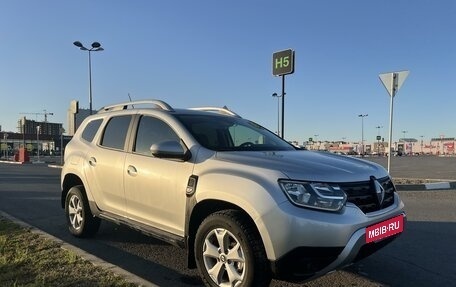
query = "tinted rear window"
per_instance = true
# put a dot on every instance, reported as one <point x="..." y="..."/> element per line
<point x="91" y="129"/>
<point x="115" y="132"/>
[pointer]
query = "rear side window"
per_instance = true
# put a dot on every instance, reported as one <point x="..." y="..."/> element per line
<point x="115" y="132"/>
<point x="91" y="129"/>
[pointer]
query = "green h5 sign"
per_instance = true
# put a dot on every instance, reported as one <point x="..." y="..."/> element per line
<point x="283" y="62"/>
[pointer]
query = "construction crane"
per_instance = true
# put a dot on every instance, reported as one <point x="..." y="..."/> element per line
<point x="46" y="113"/>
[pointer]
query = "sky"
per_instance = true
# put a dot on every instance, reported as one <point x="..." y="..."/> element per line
<point x="219" y="53"/>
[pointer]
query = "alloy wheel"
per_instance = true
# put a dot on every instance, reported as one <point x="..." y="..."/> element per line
<point x="224" y="258"/>
<point x="75" y="212"/>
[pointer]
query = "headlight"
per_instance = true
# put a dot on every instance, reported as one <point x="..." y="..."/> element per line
<point x="315" y="195"/>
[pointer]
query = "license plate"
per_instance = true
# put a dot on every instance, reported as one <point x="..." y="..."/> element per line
<point x="385" y="229"/>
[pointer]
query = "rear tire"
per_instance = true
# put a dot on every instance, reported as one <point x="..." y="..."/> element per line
<point x="229" y="251"/>
<point x="80" y="219"/>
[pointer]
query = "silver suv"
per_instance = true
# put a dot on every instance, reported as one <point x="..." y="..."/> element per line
<point x="245" y="204"/>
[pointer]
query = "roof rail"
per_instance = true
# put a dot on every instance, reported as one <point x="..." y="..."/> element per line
<point x="124" y="106"/>
<point x="223" y="110"/>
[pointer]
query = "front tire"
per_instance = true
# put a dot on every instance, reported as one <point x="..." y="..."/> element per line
<point x="80" y="219"/>
<point x="229" y="251"/>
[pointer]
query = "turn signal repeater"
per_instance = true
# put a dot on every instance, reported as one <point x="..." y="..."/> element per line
<point x="191" y="185"/>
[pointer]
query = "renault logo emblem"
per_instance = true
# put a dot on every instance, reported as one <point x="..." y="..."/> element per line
<point x="380" y="191"/>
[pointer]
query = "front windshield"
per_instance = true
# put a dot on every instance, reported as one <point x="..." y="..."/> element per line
<point x="223" y="133"/>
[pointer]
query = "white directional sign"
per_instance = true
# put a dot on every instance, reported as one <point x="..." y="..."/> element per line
<point x="393" y="81"/>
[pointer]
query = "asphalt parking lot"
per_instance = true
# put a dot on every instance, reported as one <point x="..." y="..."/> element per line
<point x="420" y="257"/>
<point x="423" y="167"/>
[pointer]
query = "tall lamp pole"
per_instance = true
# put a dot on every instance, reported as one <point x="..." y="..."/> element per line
<point x="405" y="142"/>
<point x="95" y="48"/>
<point x="38" y="141"/>
<point x="61" y="144"/>
<point x="421" y="144"/>
<point x="278" y="112"/>
<point x="5" y="136"/>
<point x="362" y="133"/>
<point x="378" y="139"/>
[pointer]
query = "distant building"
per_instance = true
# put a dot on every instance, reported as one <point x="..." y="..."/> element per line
<point x="436" y="146"/>
<point x="442" y="146"/>
<point x="405" y="146"/>
<point x="32" y="133"/>
<point x="25" y="126"/>
<point x="75" y="116"/>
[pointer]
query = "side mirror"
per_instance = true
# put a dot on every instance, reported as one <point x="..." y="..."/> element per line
<point x="170" y="149"/>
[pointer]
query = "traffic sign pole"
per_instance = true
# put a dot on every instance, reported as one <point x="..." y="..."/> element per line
<point x="283" y="64"/>
<point x="392" y="83"/>
<point x="283" y="106"/>
<point x="390" y="140"/>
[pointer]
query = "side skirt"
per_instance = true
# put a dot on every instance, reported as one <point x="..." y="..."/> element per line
<point x="147" y="230"/>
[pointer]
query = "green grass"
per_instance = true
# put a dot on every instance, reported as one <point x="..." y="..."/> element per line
<point x="28" y="259"/>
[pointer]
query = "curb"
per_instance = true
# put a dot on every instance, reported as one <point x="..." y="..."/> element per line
<point x="11" y="162"/>
<point x="52" y="165"/>
<point x="446" y="185"/>
<point x="130" y="277"/>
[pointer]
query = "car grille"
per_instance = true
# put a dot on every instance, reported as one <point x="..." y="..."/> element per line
<point x="363" y="194"/>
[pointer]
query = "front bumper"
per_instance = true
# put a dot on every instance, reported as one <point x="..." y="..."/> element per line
<point x="304" y="244"/>
<point x="306" y="263"/>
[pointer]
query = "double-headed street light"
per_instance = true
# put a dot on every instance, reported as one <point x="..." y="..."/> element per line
<point x="95" y="48"/>
<point x="362" y="133"/>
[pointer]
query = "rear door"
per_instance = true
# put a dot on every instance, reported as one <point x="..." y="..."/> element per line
<point x="106" y="163"/>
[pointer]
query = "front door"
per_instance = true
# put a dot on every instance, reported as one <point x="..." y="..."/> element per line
<point x="155" y="187"/>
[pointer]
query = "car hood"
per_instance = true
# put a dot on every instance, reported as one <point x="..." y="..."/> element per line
<point x="308" y="165"/>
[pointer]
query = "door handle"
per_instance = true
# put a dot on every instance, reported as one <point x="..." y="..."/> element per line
<point x="131" y="170"/>
<point x="92" y="161"/>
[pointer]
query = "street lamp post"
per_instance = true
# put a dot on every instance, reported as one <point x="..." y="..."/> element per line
<point x="378" y="139"/>
<point x="405" y="142"/>
<point x="362" y="133"/>
<point x="316" y="141"/>
<point x="278" y="112"/>
<point x="38" y="142"/>
<point x="421" y="144"/>
<point x="23" y="132"/>
<point x="61" y="145"/>
<point x="5" y="145"/>
<point x="95" y="48"/>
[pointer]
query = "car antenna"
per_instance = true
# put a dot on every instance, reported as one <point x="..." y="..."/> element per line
<point x="130" y="100"/>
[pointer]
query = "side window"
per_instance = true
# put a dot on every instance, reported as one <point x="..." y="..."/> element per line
<point x="91" y="129"/>
<point x="115" y="132"/>
<point x="151" y="131"/>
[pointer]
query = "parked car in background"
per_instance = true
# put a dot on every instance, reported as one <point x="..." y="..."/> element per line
<point x="397" y="153"/>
